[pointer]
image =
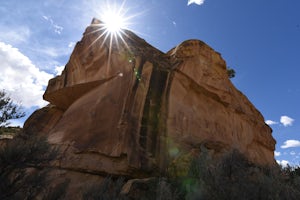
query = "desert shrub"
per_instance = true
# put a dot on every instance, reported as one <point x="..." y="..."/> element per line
<point x="234" y="177"/>
<point x="230" y="177"/>
<point x="22" y="167"/>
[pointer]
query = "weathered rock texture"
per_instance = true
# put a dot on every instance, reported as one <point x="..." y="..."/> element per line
<point x="126" y="108"/>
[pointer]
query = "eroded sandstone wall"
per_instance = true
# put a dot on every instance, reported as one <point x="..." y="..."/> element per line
<point x="126" y="108"/>
<point x="206" y="108"/>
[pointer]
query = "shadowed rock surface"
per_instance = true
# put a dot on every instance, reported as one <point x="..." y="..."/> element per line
<point x="126" y="108"/>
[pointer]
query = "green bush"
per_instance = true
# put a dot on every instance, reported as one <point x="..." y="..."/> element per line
<point x="23" y="171"/>
<point x="230" y="73"/>
<point x="234" y="177"/>
<point x="230" y="177"/>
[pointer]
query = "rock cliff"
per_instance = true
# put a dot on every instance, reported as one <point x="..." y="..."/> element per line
<point x="122" y="107"/>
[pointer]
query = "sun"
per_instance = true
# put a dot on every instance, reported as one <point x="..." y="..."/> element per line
<point x="115" y="19"/>
<point x="113" y="22"/>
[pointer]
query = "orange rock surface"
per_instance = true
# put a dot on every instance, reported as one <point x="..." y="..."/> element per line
<point x="127" y="108"/>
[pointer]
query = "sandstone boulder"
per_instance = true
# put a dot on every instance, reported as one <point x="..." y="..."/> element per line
<point x="122" y="107"/>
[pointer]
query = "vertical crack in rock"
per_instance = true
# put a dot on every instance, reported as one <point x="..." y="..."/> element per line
<point x="150" y="131"/>
<point x="128" y="115"/>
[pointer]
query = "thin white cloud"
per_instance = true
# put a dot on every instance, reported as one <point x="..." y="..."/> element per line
<point x="20" y="78"/>
<point x="14" y="35"/>
<point x="71" y="44"/>
<point x="198" y="2"/>
<point x="57" y="29"/>
<point x="290" y="144"/>
<point x="270" y="122"/>
<point x="277" y="153"/>
<point x="293" y="153"/>
<point x="50" y="51"/>
<point x="286" y="121"/>
<point x="59" y="69"/>
<point x="283" y="163"/>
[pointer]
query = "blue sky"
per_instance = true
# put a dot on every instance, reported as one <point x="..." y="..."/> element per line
<point x="260" y="39"/>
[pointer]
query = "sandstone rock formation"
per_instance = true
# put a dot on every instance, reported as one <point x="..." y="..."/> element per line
<point x="122" y="107"/>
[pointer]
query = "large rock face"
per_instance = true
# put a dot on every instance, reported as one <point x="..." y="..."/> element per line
<point x="125" y="108"/>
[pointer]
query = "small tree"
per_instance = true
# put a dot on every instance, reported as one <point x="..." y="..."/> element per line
<point x="8" y="109"/>
<point x="24" y="160"/>
<point x="230" y="72"/>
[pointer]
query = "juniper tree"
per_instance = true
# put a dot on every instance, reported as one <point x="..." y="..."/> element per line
<point x="8" y="109"/>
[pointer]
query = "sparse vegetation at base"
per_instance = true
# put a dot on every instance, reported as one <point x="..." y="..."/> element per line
<point x="23" y="171"/>
<point x="232" y="177"/>
<point x="23" y="175"/>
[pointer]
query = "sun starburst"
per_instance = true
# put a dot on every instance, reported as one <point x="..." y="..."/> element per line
<point x="111" y="28"/>
<point x="113" y="22"/>
<point x="115" y="19"/>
